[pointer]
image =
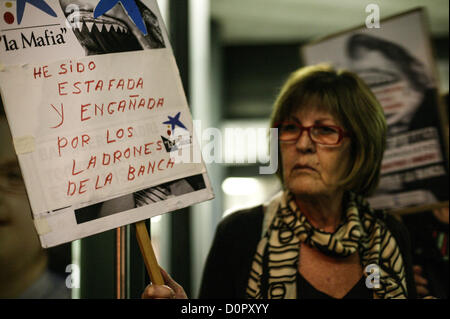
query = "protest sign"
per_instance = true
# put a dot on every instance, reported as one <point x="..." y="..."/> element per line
<point x="104" y="137"/>
<point x="396" y="62"/>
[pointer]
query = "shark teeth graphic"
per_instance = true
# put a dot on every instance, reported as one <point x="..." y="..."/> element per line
<point x="78" y="22"/>
<point x="108" y="26"/>
<point x="99" y="26"/>
<point x="89" y="25"/>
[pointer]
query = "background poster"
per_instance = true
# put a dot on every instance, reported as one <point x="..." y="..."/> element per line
<point x="399" y="69"/>
<point x="103" y="134"/>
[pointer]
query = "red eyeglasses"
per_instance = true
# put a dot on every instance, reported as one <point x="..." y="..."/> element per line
<point x="320" y="134"/>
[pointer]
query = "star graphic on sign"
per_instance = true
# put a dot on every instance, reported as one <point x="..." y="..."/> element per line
<point x="40" y="4"/>
<point x="174" y="121"/>
<point x="130" y="7"/>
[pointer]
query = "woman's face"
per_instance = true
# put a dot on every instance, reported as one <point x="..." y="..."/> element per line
<point x="309" y="168"/>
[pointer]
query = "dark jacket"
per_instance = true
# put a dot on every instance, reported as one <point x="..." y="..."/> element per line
<point x="229" y="261"/>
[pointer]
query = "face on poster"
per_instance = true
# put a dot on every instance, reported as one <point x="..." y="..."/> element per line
<point x="101" y="127"/>
<point x="396" y="63"/>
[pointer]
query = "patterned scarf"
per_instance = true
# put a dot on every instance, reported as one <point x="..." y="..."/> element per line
<point x="274" y="268"/>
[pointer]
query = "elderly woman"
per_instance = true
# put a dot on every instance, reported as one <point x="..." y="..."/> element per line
<point x="318" y="238"/>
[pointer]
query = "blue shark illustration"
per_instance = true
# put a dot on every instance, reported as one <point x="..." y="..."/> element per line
<point x="130" y="7"/>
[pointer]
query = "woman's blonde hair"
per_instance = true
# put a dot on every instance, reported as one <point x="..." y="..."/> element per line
<point x="350" y="101"/>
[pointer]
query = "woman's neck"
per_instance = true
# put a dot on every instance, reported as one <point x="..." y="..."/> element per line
<point x="323" y="212"/>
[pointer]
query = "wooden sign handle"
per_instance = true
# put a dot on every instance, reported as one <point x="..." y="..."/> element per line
<point x="148" y="254"/>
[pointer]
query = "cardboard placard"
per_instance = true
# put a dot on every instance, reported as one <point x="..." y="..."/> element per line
<point x="400" y="70"/>
<point x="98" y="116"/>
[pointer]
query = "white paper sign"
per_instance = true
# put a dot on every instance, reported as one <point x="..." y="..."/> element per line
<point x="104" y="138"/>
